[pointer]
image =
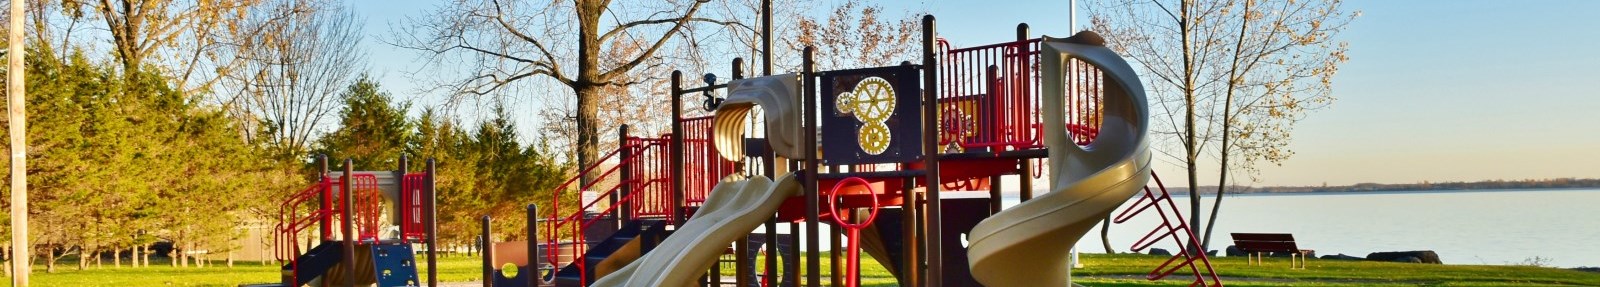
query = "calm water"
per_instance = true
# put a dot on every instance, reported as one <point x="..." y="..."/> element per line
<point x="1465" y="227"/>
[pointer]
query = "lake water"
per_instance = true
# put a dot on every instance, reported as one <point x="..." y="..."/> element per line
<point x="1561" y="227"/>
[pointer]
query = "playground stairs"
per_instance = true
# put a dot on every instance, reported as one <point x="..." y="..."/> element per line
<point x="313" y="264"/>
<point x="635" y="238"/>
<point x="387" y="264"/>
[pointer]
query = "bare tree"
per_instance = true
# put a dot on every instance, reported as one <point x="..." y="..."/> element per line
<point x="856" y="35"/>
<point x="500" y="44"/>
<point x="194" y="43"/>
<point x="1241" y="72"/>
<point x="291" y="75"/>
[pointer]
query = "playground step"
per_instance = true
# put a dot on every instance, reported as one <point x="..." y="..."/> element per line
<point x="652" y="230"/>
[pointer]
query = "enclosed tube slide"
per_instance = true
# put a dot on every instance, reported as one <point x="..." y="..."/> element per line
<point x="1028" y="244"/>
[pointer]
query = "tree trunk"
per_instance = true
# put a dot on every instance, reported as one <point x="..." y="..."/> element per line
<point x="116" y="258"/>
<point x="1227" y="125"/>
<point x="83" y="258"/>
<point x="230" y="259"/>
<point x="1190" y="146"/>
<point x="6" y="254"/>
<point x="50" y="261"/>
<point x="588" y="84"/>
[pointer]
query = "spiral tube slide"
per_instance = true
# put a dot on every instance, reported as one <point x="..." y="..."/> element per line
<point x="1028" y="244"/>
<point x="733" y="209"/>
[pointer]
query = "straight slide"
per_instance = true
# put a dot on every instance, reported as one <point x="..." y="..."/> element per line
<point x="1028" y="244"/>
<point x="732" y="210"/>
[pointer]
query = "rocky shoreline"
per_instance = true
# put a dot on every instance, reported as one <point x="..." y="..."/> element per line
<point x="1414" y="256"/>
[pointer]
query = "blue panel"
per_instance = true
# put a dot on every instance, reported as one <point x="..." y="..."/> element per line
<point x="396" y="265"/>
<point x="855" y="106"/>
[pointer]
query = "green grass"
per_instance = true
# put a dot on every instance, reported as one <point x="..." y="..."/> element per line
<point x="1099" y="270"/>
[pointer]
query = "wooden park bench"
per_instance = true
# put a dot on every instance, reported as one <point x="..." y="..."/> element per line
<point x="1259" y="245"/>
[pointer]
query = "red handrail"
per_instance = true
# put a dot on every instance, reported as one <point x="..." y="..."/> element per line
<point x="650" y="194"/>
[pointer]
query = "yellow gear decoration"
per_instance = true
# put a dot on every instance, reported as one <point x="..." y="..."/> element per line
<point x="874" y="138"/>
<point x="872" y="102"/>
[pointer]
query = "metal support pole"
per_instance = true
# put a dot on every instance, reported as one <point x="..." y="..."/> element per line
<point x="766" y="37"/>
<point x="744" y="267"/>
<point x="809" y="96"/>
<point x="911" y="270"/>
<point x="431" y="222"/>
<point x="768" y="165"/>
<point x="930" y="150"/>
<point x="347" y="198"/>
<point x="399" y="202"/>
<point x="995" y="196"/>
<point x="1025" y="181"/>
<point x="485" y="240"/>
<point x="532" y="274"/>
<point x="625" y="212"/>
<point x="325" y="224"/>
<point x="677" y="148"/>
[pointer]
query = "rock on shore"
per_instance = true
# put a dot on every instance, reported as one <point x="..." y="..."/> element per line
<point x="1419" y="256"/>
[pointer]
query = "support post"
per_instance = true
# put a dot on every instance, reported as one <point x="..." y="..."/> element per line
<point x="532" y="274"/>
<point x="770" y="157"/>
<point x="676" y="150"/>
<point x="399" y="203"/>
<point x="995" y="196"/>
<point x="347" y="199"/>
<point x="486" y="241"/>
<point x="911" y="270"/>
<point x="625" y="212"/>
<point x="324" y="201"/>
<point x="744" y="267"/>
<point x="930" y="150"/>
<point x="808" y="72"/>
<point x="431" y="222"/>
<point x="1025" y="180"/>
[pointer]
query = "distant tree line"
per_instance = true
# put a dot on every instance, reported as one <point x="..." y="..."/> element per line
<point x="1422" y="186"/>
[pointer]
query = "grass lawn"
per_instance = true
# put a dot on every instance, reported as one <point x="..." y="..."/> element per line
<point x="1099" y="270"/>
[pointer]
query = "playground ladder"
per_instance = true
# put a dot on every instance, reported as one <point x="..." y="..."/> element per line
<point x="1162" y="202"/>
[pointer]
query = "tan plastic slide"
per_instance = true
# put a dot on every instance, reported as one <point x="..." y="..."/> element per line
<point x="1028" y="244"/>
<point x="733" y="209"/>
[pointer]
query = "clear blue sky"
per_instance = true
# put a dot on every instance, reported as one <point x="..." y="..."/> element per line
<point x="1437" y="91"/>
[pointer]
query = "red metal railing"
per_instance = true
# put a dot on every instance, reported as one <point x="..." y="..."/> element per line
<point x="294" y="216"/>
<point x="649" y="195"/>
<point x="989" y="96"/>
<point x="286" y="234"/>
<point x="701" y="159"/>
<point x="413" y="190"/>
<point x="647" y="162"/>
<point x="368" y="201"/>
<point x="650" y="172"/>
<point x="1162" y="203"/>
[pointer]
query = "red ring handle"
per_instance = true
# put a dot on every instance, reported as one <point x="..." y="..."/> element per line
<point x="833" y="199"/>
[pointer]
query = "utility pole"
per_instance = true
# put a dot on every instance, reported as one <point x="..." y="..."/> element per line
<point x="20" y="257"/>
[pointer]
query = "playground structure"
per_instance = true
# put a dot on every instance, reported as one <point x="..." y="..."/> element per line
<point x="380" y="215"/>
<point x="899" y="157"/>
